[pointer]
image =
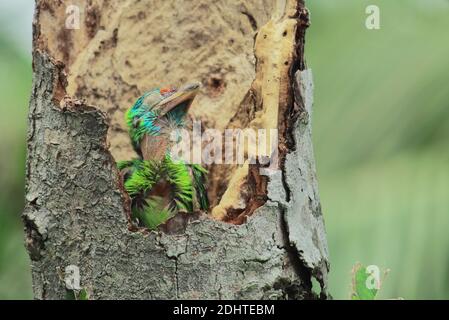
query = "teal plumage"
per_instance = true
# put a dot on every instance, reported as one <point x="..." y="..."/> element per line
<point x="140" y="120"/>
<point x="160" y="187"/>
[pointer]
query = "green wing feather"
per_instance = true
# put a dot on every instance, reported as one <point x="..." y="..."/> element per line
<point x="154" y="213"/>
<point x="188" y="182"/>
<point x="125" y="164"/>
<point x="144" y="176"/>
<point x="178" y="176"/>
<point x="199" y="175"/>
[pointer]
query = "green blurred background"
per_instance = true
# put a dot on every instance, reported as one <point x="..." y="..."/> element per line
<point x="381" y="134"/>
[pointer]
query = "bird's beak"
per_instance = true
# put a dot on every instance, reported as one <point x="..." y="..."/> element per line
<point x="185" y="94"/>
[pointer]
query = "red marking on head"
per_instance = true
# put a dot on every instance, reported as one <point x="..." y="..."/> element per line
<point x="166" y="90"/>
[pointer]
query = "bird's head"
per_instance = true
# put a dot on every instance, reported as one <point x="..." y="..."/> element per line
<point x="163" y="101"/>
<point x="157" y="113"/>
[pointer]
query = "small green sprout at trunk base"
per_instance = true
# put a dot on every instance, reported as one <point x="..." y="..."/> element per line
<point x="77" y="294"/>
<point x="366" y="282"/>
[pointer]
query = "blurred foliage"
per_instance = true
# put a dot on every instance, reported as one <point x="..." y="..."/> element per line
<point x="15" y="84"/>
<point x="381" y="134"/>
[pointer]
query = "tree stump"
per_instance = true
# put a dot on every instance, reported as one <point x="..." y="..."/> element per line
<point x="266" y="239"/>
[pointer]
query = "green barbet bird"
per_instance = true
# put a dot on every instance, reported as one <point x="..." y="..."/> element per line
<point x="159" y="186"/>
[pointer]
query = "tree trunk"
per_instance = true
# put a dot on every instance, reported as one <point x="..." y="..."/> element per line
<point x="267" y="238"/>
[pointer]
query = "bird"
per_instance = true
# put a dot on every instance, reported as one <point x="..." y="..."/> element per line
<point x="158" y="185"/>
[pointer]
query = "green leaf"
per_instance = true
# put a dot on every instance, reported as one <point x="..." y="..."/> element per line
<point x="364" y="286"/>
<point x="77" y="295"/>
<point x="83" y="295"/>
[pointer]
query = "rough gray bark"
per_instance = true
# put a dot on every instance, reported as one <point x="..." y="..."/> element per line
<point x="76" y="214"/>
